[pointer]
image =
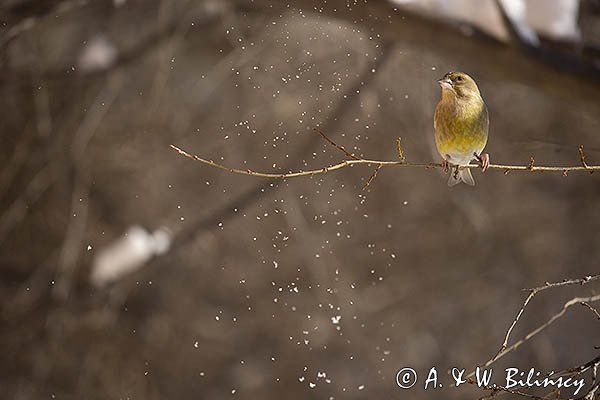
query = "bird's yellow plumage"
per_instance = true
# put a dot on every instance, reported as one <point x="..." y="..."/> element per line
<point x="461" y="125"/>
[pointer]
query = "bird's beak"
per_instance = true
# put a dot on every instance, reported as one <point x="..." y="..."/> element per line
<point x="445" y="83"/>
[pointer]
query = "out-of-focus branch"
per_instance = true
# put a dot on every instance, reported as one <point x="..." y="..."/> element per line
<point x="519" y="32"/>
<point x="47" y="176"/>
<point x="124" y="57"/>
<point x="29" y="21"/>
<point x="525" y="38"/>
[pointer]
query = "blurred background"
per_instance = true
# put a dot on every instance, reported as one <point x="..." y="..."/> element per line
<point x="130" y="272"/>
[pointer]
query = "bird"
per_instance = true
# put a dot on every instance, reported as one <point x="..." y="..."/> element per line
<point x="461" y="124"/>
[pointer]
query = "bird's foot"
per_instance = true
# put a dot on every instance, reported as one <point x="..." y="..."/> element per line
<point x="484" y="161"/>
<point x="445" y="166"/>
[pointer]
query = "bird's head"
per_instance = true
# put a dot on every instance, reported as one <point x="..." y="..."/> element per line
<point x="459" y="84"/>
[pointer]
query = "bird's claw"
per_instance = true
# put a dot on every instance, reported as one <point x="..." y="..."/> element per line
<point x="445" y="166"/>
<point x="484" y="160"/>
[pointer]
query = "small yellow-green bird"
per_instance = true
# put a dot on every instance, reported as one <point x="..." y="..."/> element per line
<point x="461" y="126"/>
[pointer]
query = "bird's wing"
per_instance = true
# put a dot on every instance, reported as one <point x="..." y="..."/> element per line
<point x="487" y="118"/>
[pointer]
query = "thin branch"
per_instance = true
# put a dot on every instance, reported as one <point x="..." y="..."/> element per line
<point x="347" y="163"/>
<point x="531" y="166"/>
<point x="592" y="364"/>
<point x="337" y="146"/>
<point x="293" y="174"/>
<point x="514" y="323"/>
<point x="592" y="309"/>
<point x="591" y="394"/>
<point x="574" y="371"/>
<point x="582" y="157"/>
<point x="504" y="349"/>
<point x="532" y="293"/>
<point x="355" y="157"/>
<point x="371" y="178"/>
<point x="566" y="306"/>
<point x="595" y="383"/>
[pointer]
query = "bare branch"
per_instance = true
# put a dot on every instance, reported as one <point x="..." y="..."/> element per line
<point x="566" y="306"/>
<point x="381" y="163"/>
<point x="504" y="349"/>
<point x="582" y="158"/>
<point x="293" y="174"/>
<point x="533" y="292"/>
<point x="592" y="309"/>
<point x="566" y="282"/>
<point x="530" y="166"/>
<point x="514" y="323"/>
<point x="29" y="22"/>
<point x="371" y="178"/>
<point x="337" y="146"/>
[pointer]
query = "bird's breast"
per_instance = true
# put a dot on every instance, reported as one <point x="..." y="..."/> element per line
<point x="461" y="128"/>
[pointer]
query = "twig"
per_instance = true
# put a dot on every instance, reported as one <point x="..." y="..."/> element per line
<point x="592" y="364"/>
<point x="530" y="166"/>
<point x="592" y="309"/>
<point x="582" y="158"/>
<point x="566" y="282"/>
<point x="371" y="178"/>
<point x="595" y="383"/>
<point x="591" y="394"/>
<point x="400" y="150"/>
<point x="573" y="371"/>
<point x="337" y="146"/>
<point x="556" y="316"/>
<point x="354" y="156"/>
<point x="514" y="323"/>
<point x="504" y="349"/>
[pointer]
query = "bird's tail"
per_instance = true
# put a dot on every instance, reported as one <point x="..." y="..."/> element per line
<point x="462" y="175"/>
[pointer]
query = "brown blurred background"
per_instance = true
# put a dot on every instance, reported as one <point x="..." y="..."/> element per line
<point x="228" y="286"/>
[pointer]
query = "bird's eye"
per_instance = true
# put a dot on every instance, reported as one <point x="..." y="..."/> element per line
<point x="459" y="78"/>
